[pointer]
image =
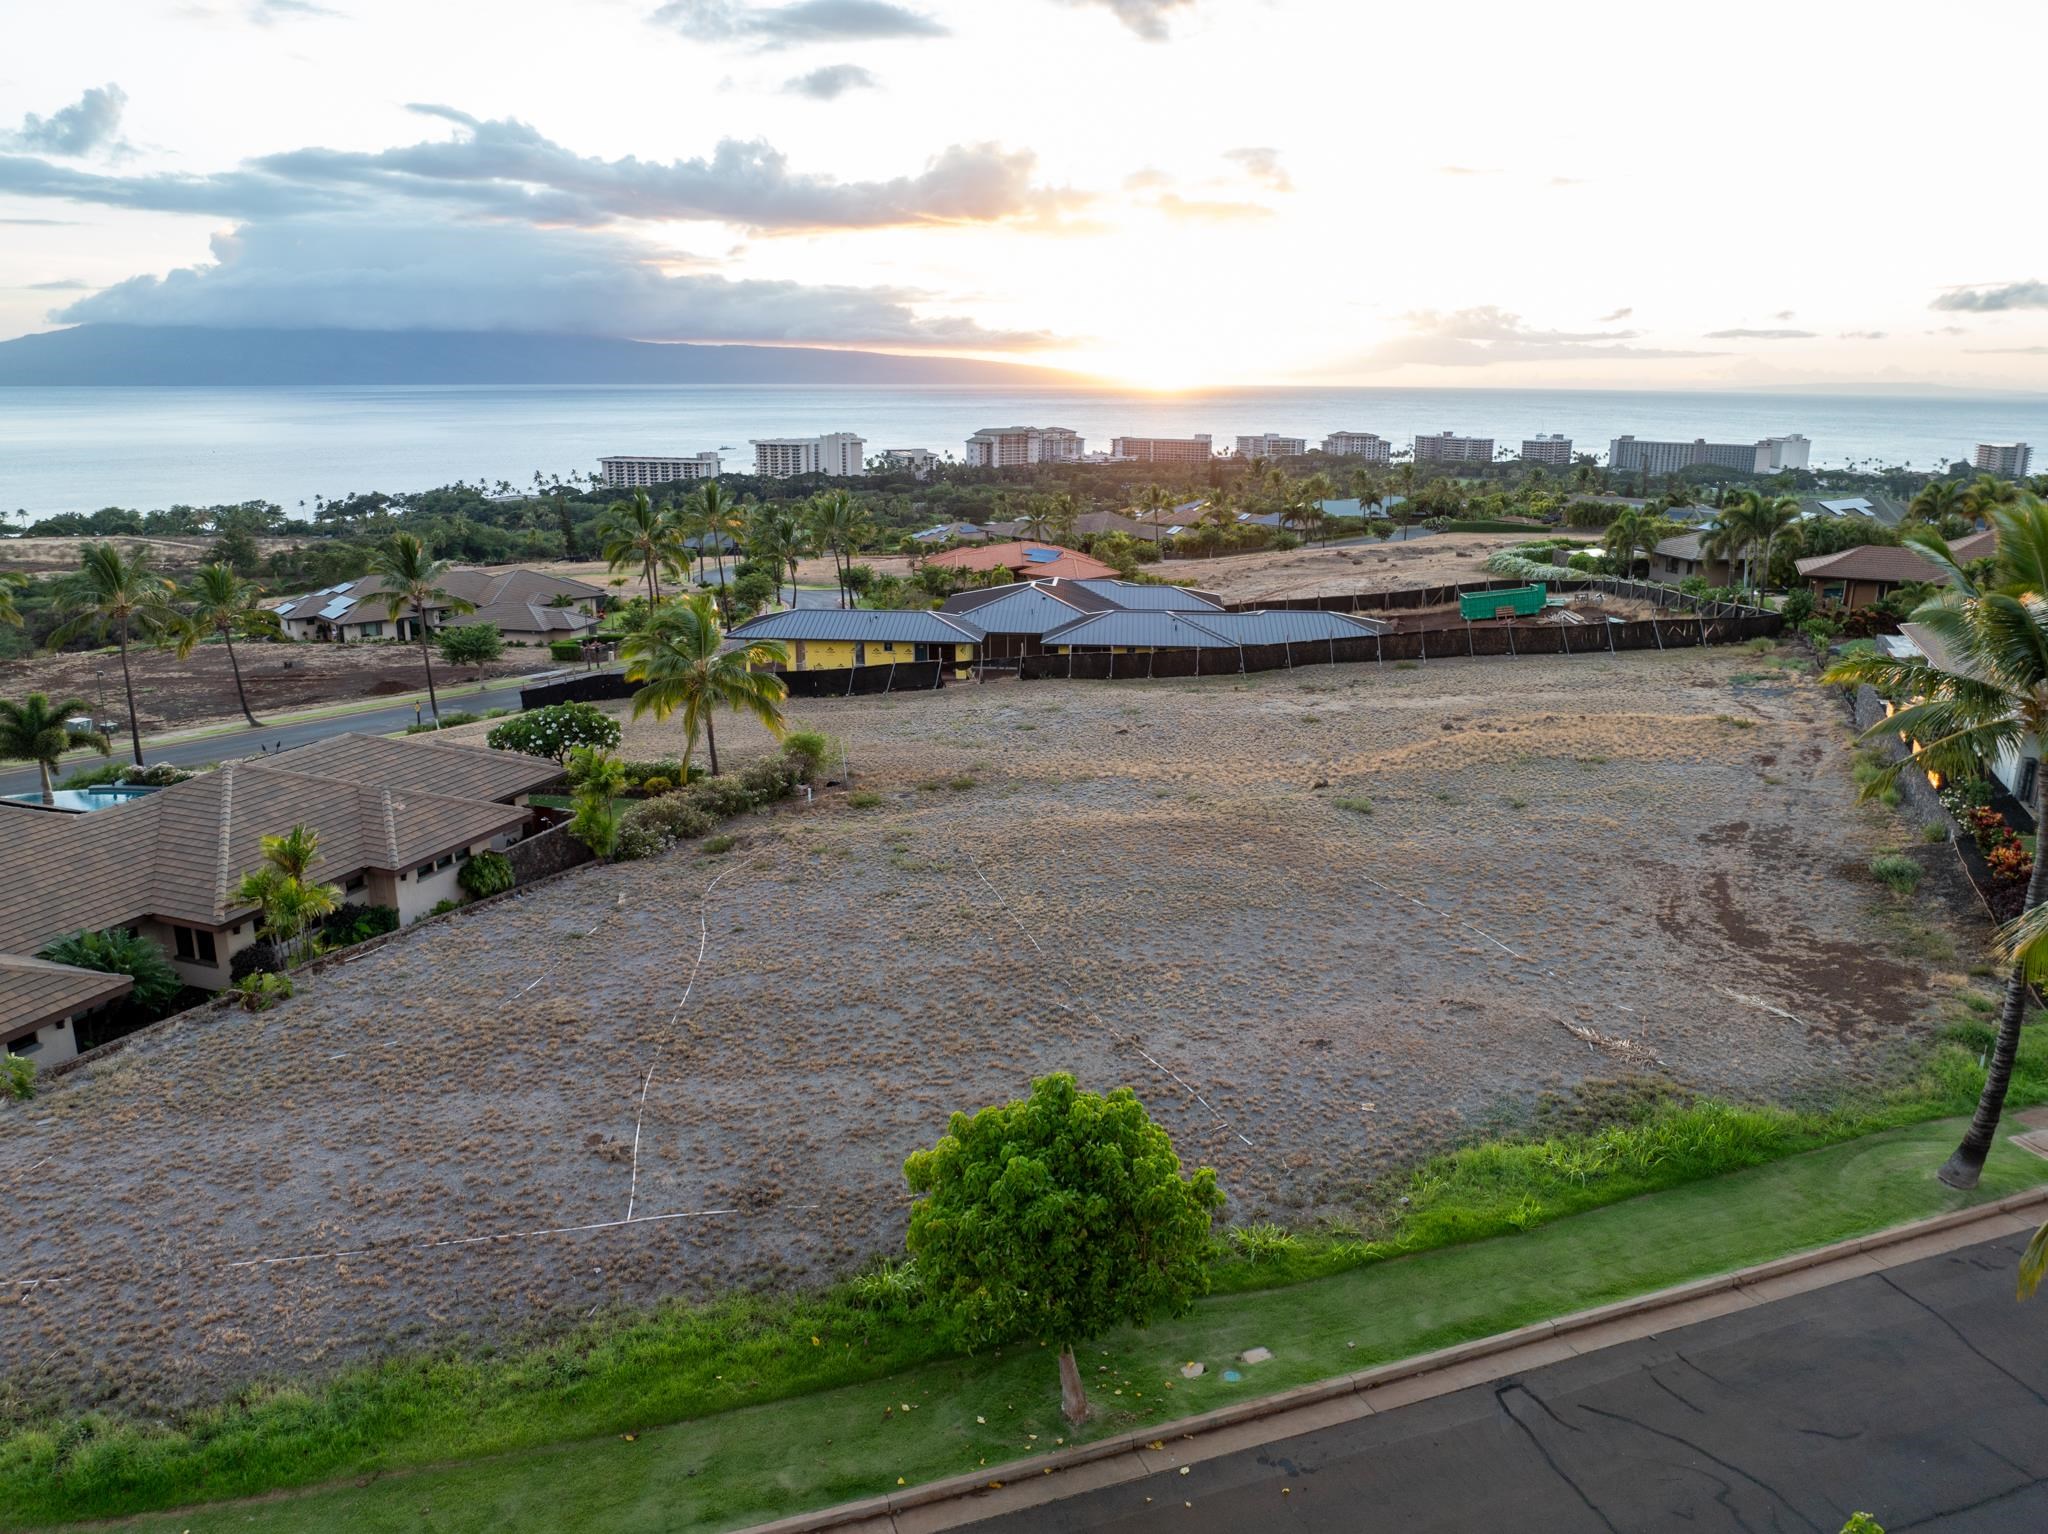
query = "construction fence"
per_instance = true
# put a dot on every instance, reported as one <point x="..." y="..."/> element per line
<point x="864" y="681"/>
<point x="1416" y="597"/>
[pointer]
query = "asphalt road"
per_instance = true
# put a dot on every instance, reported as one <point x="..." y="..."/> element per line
<point x="246" y="742"/>
<point x="1919" y="1395"/>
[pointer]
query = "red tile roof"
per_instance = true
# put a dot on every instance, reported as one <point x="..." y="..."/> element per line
<point x="1069" y="563"/>
<point x="1871" y="562"/>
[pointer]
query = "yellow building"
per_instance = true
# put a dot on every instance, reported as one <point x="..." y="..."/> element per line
<point x="841" y="639"/>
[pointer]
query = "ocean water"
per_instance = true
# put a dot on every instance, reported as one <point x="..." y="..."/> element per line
<point x="79" y="449"/>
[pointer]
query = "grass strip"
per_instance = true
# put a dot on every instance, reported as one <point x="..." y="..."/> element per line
<point x="785" y="1403"/>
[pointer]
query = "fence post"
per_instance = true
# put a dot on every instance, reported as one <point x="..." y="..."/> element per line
<point x="851" y="673"/>
<point x="1513" y="653"/>
<point x="1379" y="651"/>
<point x="889" y="681"/>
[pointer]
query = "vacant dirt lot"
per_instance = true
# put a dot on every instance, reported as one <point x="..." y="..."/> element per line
<point x="1567" y="869"/>
<point x="178" y="694"/>
<point x="53" y="556"/>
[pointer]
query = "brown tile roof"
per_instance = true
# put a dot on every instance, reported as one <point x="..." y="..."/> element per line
<point x="180" y="853"/>
<point x="1011" y="557"/>
<point x="513" y="598"/>
<point x="1871" y="562"/>
<point x="35" y="991"/>
<point x="1975" y="546"/>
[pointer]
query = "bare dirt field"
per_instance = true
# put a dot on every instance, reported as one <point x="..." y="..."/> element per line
<point x="53" y="556"/>
<point x="175" y="694"/>
<point x="1569" y="869"/>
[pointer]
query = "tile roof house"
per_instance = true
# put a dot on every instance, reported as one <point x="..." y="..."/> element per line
<point x="1026" y="561"/>
<point x="517" y="600"/>
<point x="1680" y="558"/>
<point x="40" y="1001"/>
<point x="395" y="820"/>
<point x="1859" y="576"/>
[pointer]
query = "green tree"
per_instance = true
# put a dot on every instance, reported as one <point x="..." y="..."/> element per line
<point x="120" y="952"/>
<point x="1995" y="700"/>
<point x="680" y="660"/>
<point x="775" y="538"/>
<point x="222" y="606"/>
<point x="1935" y="500"/>
<point x="472" y="644"/>
<point x="1986" y="493"/>
<point x="596" y="778"/>
<point x="35" y="731"/>
<point x="634" y="532"/>
<point x="291" y="902"/>
<point x="10" y="615"/>
<point x="111" y="593"/>
<point x="1054" y="1219"/>
<point x="836" y="524"/>
<point x="412" y="578"/>
<point x="722" y="522"/>
<point x="1635" y="531"/>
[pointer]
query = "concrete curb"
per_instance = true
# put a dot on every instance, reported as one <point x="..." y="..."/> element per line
<point x="1543" y="1342"/>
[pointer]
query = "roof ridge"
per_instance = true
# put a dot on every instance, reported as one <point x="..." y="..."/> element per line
<point x="390" y="828"/>
<point x="226" y="828"/>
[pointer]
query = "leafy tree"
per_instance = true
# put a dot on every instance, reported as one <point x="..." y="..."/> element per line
<point x="10" y="614"/>
<point x="680" y="659"/>
<point x="1057" y="1218"/>
<point x="35" y="731"/>
<point x="1986" y="493"/>
<point x="1995" y="700"/>
<point x="412" y="577"/>
<point x="596" y="778"/>
<point x="118" y="594"/>
<point x="775" y="538"/>
<point x="555" y="730"/>
<point x="1935" y="500"/>
<point x="120" y="952"/>
<point x="635" y="533"/>
<point x="486" y="873"/>
<point x="283" y="890"/>
<point x="748" y="594"/>
<point x="473" y="644"/>
<point x="224" y="605"/>
<point x="722" y="523"/>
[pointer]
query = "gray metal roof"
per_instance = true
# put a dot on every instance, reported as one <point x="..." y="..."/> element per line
<point x="1024" y="609"/>
<point x="1145" y="598"/>
<point x="1153" y="630"/>
<point x="1287" y="627"/>
<point x="861" y="624"/>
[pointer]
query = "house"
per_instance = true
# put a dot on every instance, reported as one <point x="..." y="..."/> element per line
<point x="1125" y="631"/>
<point x="1025" y="561"/>
<point x="1859" y="576"/>
<point x="1874" y="507"/>
<point x="952" y="532"/>
<point x="1015" y="619"/>
<point x="41" y="1002"/>
<point x="1680" y="559"/>
<point x="527" y="606"/>
<point x="840" y="638"/>
<point x="396" y="819"/>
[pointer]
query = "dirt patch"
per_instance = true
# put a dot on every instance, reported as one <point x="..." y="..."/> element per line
<point x="54" y="556"/>
<point x="1322" y="921"/>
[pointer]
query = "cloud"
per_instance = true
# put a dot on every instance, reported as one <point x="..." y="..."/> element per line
<point x="1760" y="335"/>
<point x="2032" y="294"/>
<point x="1616" y="317"/>
<point x="41" y="223"/>
<point x="1263" y="166"/>
<point x="1211" y="212"/>
<point x="1147" y="179"/>
<point x="1783" y="314"/>
<point x="62" y="285"/>
<point x="1863" y="335"/>
<point x="506" y="169"/>
<point x="90" y="123"/>
<point x="1464" y="170"/>
<point x="2006" y="351"/>
<point x="1148" y="18"/>
<point x="805" y="21"/>
<point x="367" y="273"/>
<point x="268" y="12"/>
<point x="832" y="81"/>
<point x="1567" y="180"/>
<point x="1482" y="336"/>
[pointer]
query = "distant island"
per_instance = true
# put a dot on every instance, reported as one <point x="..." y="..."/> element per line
<point x="165" y="355"/>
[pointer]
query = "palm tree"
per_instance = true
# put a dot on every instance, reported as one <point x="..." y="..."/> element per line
<point x="1994" y="700"/>
<point x="222" y="603"/>
<point x="9" y="613"/>
<point x="412" y="577"/>
<point x="1748" y="522"/>
<point x="1772" y="518"/>
<point x="1037" y="519"/>
<point x="723" y="521"/>
<point x="775" y="538"/>
<point x="36" y="731"/>
<point x="289" y="902"/>
<point x="634" y="532"/>
<point x="835" y="523"/>
<point x="1370" y="492"/>
<point x="1635" y="530"/>
<point x="119" y="594"/>
<point x="1153" y="500"/>
<point x="1936" y="499"/>
<point x="678" y="657"/>
<point x="1987" y="492"/>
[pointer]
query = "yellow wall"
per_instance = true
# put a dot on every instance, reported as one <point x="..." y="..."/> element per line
<point x="838" y="654"/>
<point x="823" y="655"/>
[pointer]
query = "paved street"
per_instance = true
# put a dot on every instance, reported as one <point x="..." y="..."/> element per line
<point x="246" y="742"/>
<point x="1919" y="1394"/>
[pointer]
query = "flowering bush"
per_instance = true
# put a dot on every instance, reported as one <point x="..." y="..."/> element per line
<point x="2009" y="863"/>
<point x="556" y="730"/>
<point x="1988" y="828"/>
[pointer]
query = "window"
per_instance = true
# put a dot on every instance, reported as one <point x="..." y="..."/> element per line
<point x="354" y="886"/>
<point x="373" y="631"/>
<point x="208" y="954"/>
<point x="2028" y="773"/>
<point x="182" y="938"/>
<point x="193" y="946"/>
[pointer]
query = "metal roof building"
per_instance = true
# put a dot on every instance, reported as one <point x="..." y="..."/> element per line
<point x="1136" y="597"/>
<point x="1141" y="630"/>
<point x="1280" y="627"/>
<point x="860" y="625"/>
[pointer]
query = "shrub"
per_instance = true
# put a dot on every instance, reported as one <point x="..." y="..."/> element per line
<point x="888" y="1285"/>
<point x="1897" y="871"/>
<point x="1797" y="607"/>
<point x="811" y="750"/>
<point x="259" y="993"/>
<point x="673" y="816"/>
<point x="863" y="799"/>
<point x="93" y="777"/>
<point x="259" y="957"/>
<point x="1357" y="806"/>
<point x="162" y="775"/>
<point x="443" y="907"/>
<point x="596" y="825"/>
<point x="721" y="797"/>
<point x="770" y="779"/>
<point x="565" y="649"/>
<point x="18" y="1073"/>
<point x="449" y="721"/>
<point x="487" y="873"/>
<point x="2010" y="863"/>
<point x="556" y="730"/>
<point x="637" y="841"/>
<point x="351" y="924"/>
<point x="1934" y="831"/>
<point x="654" y="787"/>
<point x="1261" y="1243"/>
<point x="718" y="846"/>
<point x="471" y="644"/>
<point x="118" y="952"/>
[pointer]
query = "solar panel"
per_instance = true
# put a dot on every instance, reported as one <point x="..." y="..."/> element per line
<point x="336" y="608"/>
<point x="1041" y="556"/>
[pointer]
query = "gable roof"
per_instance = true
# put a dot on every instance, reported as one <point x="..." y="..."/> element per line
<point x="1871" y="562"/>
<point x="1029" y="607"/>
<point x="513" y="598"/>
<point x="1139" y="595"/>
<point x="860" y="625"/>
<point x="35" y="991"/>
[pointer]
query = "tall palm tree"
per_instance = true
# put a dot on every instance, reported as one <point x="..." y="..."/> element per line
<point x="723" y="521"/>
<point x="1153" y="500"/>
<point x="1037" y="519"/>
<point x="679" y="658"/>
<point x="1994" y="700"/>
<point x="412" y="578"/>
<point x="835" y="523"/>
<point x="35" y="731"/>
<point x="1749" y="522"/>
<point x="1370" y="491"/>
<point x="635" y="532"/>
<point x="1634" y="530"/>
<point x="1936" y="499"/>
<point x="118" y="594"/>
<point x="225" y="604"/>
<point x="775" y="538"/>
<point x="1988" y="491"/>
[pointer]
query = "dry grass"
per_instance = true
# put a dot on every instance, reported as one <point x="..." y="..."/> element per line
<point x="1629" y="886"/>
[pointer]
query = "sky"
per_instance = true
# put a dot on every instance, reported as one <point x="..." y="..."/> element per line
<point x="1167" y="193"/>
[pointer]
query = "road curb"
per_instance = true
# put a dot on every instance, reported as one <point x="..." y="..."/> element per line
<point x="880" y="1511"/>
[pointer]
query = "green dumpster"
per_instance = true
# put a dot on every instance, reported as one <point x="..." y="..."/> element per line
<point x="1515" y="602"/>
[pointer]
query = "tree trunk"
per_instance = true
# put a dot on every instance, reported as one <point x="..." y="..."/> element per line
<point x="710" y="744"/>
<point x="44" y="768"/>
<point x="128" y="685"/>
<point x="427" y="660"/>
<point x="241" y="693"/>
<point x="1073" y="1398"/>
<point x="1967" y="1164"/>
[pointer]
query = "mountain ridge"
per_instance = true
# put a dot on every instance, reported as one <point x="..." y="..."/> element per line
<point x="196" y="356"/>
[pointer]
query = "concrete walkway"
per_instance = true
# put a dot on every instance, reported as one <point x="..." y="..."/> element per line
<point x="1896" y="1375"/>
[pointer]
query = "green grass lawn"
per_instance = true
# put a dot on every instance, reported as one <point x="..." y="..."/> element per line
<point x="953" y="1415"/>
